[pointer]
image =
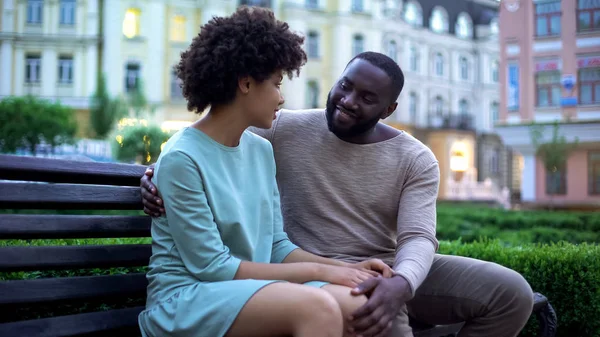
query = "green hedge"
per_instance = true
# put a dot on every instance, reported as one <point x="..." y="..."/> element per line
<point x="506" y="219"/>
<point x="569" y="275"/>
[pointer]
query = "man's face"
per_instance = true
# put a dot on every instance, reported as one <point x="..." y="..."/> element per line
<point x="359" y="99"/>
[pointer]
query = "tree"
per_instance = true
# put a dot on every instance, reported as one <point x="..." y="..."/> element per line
<point x="140" y="144"/>
<point x="553" y="153"/>
<point x="26" y="122"/>
<point x="138" y="103"/>
<point x="104" y="111"/>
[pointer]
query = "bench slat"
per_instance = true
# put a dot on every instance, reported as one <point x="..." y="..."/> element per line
<point x="71" y="288"/>
<point x="73" y="257"/>
<point x="69" y="171"/>
<point x="24" y="226"/>
<point x="68" y="196"/>
<point x="76" y="325"/>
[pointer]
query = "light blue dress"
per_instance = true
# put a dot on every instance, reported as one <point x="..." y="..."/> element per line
<point x="222" y="207"/>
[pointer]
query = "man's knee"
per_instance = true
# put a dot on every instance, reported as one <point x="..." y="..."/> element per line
<point x="516" y="295"/>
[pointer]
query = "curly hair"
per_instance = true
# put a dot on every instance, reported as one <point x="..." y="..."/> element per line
<point x="250" y="42"/>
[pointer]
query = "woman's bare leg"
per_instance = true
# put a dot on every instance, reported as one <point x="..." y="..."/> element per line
<point x="287" y="309"/>
<point x="347" y="302"/>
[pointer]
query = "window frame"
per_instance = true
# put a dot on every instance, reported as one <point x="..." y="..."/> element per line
<point x="594" y="84"/>
<point x="590" y="12"/>
<point x="36" y="61"/>
<point x="563" y="188"/>
<point x="62" y="62"/>
<point x="548" y="17"/>
<point x="548" y="87"/>
<point x="593" y="181"/>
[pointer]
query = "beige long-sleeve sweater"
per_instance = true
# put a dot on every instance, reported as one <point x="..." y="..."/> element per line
<point x="353" y="202"/>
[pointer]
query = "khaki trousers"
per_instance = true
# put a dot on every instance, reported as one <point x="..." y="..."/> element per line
<point x="492" y="300"/>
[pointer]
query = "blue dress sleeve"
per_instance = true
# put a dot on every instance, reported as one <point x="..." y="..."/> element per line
<point x="282" y="246"/>
<point x="190" y="220"/>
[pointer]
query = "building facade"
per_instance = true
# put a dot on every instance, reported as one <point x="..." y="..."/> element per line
<point x="50" y="49"/>
<point x="550" y="71"/>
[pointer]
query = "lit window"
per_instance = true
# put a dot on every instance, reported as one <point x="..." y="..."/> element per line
<point x="178" y="29"/>
<point x="413" y="13"/>
<point x="439" y="20"/>
<point x="131" y="23"/>
<point x="463" y="26"/>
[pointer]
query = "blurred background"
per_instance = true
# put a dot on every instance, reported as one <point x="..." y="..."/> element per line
<point x="505" y="93"/>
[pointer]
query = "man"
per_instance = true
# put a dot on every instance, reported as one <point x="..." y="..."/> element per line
<point x="353" y="188"/>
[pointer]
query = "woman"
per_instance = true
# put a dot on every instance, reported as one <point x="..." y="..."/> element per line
<point x="222" y="264"/>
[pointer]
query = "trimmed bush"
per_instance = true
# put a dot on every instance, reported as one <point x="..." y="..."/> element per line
<point x="569" y="275"/>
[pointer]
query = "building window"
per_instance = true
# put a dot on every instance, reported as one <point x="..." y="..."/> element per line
<point x="414" y="59"/>
<point x="178" y="30"/>
<point x="594" y="173"/>
<point x="65" y="69"/>
<point x="588" y="15"/>
<point x="556" y="181"/>
<point x="495" y="161"/>
<point x="358" y="44"/>
<point x="464" y="26"/>
<point x="438" y="106"/>
<point x="131" y="23"/>
<point x="463" y="107"/>
<point x="34" y="11"/>
<point x="176" y="90"/>
<point x="439" y="64"/>
<point x="494" y="112"/>
<point x="589" y="86"/>
<point x="33" y="65"/>
<point x="439" y="20"/>
<point x="547" y="18"/>
<point x="413" y="14"/>
<point x="312" y="97"/>
<point x="495" y="68"/>
<point x="464" y="68"/>
<point x="357" y="6"/>
<point x="392" y="50"/>
<point x="258" y="3"/>
<point x="132" y="76"/>
<point x="312" y="4"/>
<point x="547" y="88"/>
<point x="512" y="92"/>
<point x="313" y="44"/>
<point x="412" y="107"/>
<point x="67" y="12"/>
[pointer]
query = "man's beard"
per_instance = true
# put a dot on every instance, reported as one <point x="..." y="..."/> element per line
<point x="355" y="130"/>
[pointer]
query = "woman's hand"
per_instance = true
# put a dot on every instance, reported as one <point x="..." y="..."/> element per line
<point x="374" y="265"/>
<point x="345" y="276"/>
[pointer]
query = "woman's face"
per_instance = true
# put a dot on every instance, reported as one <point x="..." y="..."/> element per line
<point x="264" y="99"/>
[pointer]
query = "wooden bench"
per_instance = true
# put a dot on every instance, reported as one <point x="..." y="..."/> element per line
<point x="88" y="289"/>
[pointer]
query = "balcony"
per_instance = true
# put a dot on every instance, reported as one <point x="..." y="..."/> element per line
<point x="452" y="121"/>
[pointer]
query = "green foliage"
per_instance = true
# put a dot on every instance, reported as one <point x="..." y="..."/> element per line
<point x="569" y="275"/>
<point x="555" y="153"/>
<point x="27" y="121"/>
<point x="105" y="111"/>
<point x="138" y="103"/>
<point x="141" y="144"/>
<point x="517" y="227"/>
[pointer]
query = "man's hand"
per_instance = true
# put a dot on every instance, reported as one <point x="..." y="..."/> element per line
<point x="386" y="297"/>
<point x="152" y="203"/>
<point x="375" y="265"/>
